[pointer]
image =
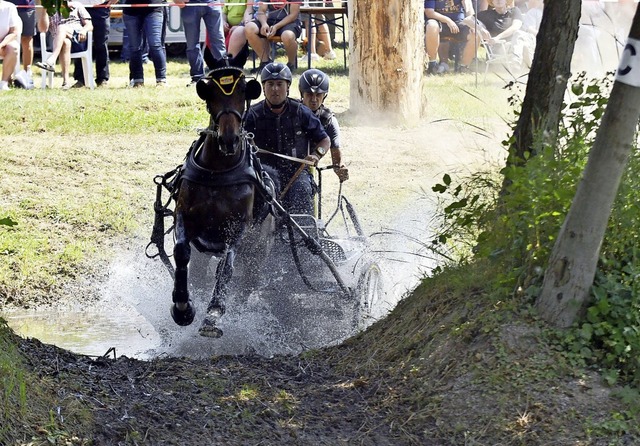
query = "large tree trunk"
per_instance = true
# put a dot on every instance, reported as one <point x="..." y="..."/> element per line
<point x="573" y="262"/>
<point x="548" y="77"/>
<point x="386" y="67"/>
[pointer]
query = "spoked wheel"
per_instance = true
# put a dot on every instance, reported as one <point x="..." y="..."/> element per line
<point x="369" y="293"/>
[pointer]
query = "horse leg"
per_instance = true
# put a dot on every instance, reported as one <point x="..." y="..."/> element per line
<point x="217" y="307"/>
<point x="182" y="311"/>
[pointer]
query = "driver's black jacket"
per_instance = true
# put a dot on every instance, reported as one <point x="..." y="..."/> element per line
<point x="289" y="133"/>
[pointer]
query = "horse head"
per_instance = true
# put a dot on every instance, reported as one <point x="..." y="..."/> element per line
<point x="227" y="93"/>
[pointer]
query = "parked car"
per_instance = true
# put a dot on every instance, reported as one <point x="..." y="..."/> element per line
<point x="174" y="41"/>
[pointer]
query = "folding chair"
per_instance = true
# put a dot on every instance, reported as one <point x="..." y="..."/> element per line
<point x="86" y="56"/>
<point x="498" y="54"/>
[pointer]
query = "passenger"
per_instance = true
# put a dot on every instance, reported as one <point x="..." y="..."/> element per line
<point x="275" y="18"/>
<point x="314" y="87"/>
<point x="69" y="35"/>
<point x="285" y="126"/>
<point x="10" y="29"/>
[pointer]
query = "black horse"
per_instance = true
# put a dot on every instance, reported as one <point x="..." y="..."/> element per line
<point x="218" y="192"/>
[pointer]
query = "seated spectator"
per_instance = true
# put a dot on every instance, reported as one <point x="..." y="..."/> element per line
<point x="500" y="21"/>
<point x="235" y="17"/>
<point x="69" y="35"/>
<point x="10" y="29"/>
<point x="444" y="20"/>
<point x="523" y="43"/>
<point x="275" y="18"/>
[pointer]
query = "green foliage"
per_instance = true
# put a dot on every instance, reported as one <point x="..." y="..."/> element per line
<point x="53" y="6"/>
<point x="515" y="229"/>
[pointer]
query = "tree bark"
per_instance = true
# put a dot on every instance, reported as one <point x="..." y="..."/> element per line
<point x="550" y="71"/>
<point x="386" y="60"/>
<point x="573" y="262"/>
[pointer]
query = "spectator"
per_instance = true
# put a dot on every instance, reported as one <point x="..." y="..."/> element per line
<point x="69" y="35"/>
<point x="285" y="126"/>
<point x="27" y="13"/>
<point x="99" y="13"/>
<point x="191" y="18"/>
<point x="275" y="18"/>
<point x="500" y="21"/>
<point x="444" y="20"/>
<point x="314" y="88"/>
<point x="235" y="18"/>
<point x="10" y="29"/>
<point x="523" y="42"/>
<point x="150" y="22"/>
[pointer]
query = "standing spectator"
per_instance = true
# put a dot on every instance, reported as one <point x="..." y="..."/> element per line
<point x="444" y="20"/>
<point x="285" y="126"/>
<point x="69" y="35"/>
<point x="150" y="22"/>
<point x="27" y="13"/>
<point x="275" y="18"/>
<point x="10" y="29"/>
<point x="191" y="17"/>
<point x="99" y="13"/>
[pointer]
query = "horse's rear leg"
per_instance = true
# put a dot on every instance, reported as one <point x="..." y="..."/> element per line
<point x="217" y="307"/>
<point x="182" y="311"/>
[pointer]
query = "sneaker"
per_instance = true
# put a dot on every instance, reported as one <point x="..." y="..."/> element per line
<point x="432" y="68"/>
<point x="331" y="55"/>
<point x="161" y="84"/>
<point x="443" y="68"/>
<point x="66" y="86"/>
<point x="4" y="85"/>
<point x="137" y="84"/>
<point x="103" y="83"/>
<point x="22" y="80"/>
<point x="78" y="84"/>
<point x="315" y="57"/>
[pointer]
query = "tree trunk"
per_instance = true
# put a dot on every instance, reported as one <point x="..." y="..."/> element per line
<point x="548" y="77"/>
<point x="573" y="262"/>
<point x="386" y="68"/>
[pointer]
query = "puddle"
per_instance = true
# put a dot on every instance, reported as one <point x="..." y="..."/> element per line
<point x="132" y="315"/>
<point x="90" y="332"/>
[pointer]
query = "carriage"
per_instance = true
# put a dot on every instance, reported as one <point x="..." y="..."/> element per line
<point x="276" y="251"/>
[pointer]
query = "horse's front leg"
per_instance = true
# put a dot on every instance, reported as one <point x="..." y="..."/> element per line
<point x="217" y="306"/>
<point x="182" y="311"/>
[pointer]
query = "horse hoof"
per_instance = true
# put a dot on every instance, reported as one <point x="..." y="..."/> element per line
<point x="184" y="317"/>
<point x="209" y="329"/>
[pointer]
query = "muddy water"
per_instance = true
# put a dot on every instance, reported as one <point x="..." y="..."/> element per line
<point x="132" y="316"/>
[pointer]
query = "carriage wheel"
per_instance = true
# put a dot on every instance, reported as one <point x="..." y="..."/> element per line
<point x="369" y="293"/>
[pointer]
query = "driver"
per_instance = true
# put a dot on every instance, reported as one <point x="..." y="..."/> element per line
<point x="314" y="87"/>
<point x="285" y="126"/>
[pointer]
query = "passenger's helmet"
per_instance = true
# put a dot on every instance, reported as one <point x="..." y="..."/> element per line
<point x="313" y="81"/>
<point x="276" y="71"/>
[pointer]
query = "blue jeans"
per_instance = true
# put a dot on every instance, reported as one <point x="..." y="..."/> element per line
<point x="191" y="17"/>
<point x="152" y="26"/>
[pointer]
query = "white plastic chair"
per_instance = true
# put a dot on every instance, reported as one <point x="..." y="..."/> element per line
<point x="87" y="62"/>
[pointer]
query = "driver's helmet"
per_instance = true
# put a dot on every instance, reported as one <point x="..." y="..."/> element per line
<point x="313" y="81"/>
<point x="276" y="71"/>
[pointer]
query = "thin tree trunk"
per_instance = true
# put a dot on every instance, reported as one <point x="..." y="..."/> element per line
<point x="573" y="262"/>
<point x="386" y="68"/>
<point x="548" y="77"/>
